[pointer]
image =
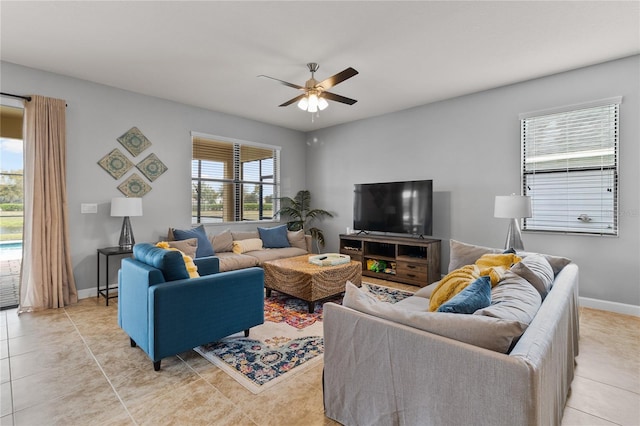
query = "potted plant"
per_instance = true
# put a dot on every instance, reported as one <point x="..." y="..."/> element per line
<point x="300" y="214"/>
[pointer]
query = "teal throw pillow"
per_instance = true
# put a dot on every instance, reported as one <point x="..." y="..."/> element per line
<point x="476" y="295"/>
<point x="169" y="262"/>
<point x="275" y="237"/>
<point x="204" y="245"/>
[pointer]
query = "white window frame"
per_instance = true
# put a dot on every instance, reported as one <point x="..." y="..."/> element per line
<point x="573" y="191"/>
<point x="237" y="182"/>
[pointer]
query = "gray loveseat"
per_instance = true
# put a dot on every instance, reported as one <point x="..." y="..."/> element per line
<point x="400" y="365"/>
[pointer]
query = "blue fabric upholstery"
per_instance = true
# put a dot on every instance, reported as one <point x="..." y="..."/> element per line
<point x="169" y="262"/>
<point x="205" y="248"/>
<point x="476" y="295"/>
<point x="165" y="318"/>
<point x="275" y="237"/>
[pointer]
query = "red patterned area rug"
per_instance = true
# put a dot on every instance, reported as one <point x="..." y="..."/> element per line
<point x="289" y="342"/>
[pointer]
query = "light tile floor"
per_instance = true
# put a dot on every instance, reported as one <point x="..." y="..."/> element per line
<point x="74" y="366"/>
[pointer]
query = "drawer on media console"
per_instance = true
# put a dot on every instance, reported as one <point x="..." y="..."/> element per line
<point x="412" y="271"/>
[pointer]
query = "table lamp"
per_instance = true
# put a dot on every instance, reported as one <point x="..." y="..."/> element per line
<point x="125" y="207"/>
<point x="513" y="207"/>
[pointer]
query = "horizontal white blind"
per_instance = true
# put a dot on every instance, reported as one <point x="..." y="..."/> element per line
<point x="232" y="181"/>
<point x="570" y="169"/>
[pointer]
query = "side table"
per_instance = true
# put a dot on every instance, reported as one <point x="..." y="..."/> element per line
<point x="107" y="252"/>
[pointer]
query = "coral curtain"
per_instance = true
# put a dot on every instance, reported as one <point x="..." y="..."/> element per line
<point x="47" y="275"/>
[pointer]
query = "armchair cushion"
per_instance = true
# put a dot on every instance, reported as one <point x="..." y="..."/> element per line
<point x="169" y="262"/>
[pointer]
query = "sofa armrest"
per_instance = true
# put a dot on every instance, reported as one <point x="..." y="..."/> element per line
<point x="380" y="372"/>
<point x="207" y="265"/>
<point x="187" y="313"/>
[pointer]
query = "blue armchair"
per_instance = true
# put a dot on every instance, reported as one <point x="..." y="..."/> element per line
<point x="164" y="312"/>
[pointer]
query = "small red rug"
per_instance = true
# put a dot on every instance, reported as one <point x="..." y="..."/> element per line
<point x="280" y="307"/>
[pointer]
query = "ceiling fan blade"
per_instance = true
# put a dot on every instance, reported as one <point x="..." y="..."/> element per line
<point x="286" y="83"/>
<point x="296" y="99"/>
<point x="338" y="98"/>
<point x="338" y="78"/>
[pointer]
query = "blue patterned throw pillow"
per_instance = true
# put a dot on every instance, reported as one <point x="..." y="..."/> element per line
<point x="275" y="237"/>
<point x="204" y="245"/>
<point x="476" y="295"/>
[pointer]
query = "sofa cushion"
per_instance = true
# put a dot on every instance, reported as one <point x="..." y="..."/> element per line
<point x="169" y="262"/>
<point x="475" y="296"/>
<point x="426" y="291"/>
<point x="273" y="254"/>
<point x="556" y="262"/>
<point x="204" y="245"/>
<point x="297" y="239"/>
<point x="536" y="269"/>
<point x="514" y="299"/>
<point x="222" y="242"/>
<point x="243" y="246"/>
<point x="244" y="235"/>
<point x="188" y="247"/>
<point x="461" y="254"/>
<point x="230" y="261"/>
<point x="483" y="331"/>
<point x="275" y="237"/>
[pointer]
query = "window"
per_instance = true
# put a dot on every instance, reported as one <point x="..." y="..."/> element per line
<point x="233" y="181"/>
<point x="570" y="168"/>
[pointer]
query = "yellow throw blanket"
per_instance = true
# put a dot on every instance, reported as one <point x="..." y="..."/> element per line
<point x="192" y="269"/>
<point x="493" y="265"/>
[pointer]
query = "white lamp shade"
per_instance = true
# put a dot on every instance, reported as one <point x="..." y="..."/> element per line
<point x="512" y="206"/>
<point x="121" y="207"/>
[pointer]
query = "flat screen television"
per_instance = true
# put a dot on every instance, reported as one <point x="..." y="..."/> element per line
<point x="395" y="207"/>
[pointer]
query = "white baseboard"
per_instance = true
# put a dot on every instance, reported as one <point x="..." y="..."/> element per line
<point x="86" y="293"/>
<point x="604" y="305"/>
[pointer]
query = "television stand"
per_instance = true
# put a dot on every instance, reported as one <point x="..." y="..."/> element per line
<point x="408" y="260"/>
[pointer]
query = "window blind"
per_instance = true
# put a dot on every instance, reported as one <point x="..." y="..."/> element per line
<point x="570" y="170"/>
<point x="233" y="181"/>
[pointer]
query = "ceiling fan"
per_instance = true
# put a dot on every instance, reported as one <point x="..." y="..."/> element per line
<point x="315" y="94"/>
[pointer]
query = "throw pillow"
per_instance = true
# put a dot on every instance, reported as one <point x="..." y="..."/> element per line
<point x="188" y="247"/>
<point x="169" y="262"/>
<point x="297" y="239"/>
<point x="514" y="299"/>
<point x="275" y="237"/>
<point x="192" y="269"/>
<point x="556" y="262"/>
<point x="204" y="245"/>
<point x="537" y="270"/>
<point x="461" y="254"/>
<point x="476" y="295"/>
<point x="223" y="242"/>
<point x="244" y="246"/>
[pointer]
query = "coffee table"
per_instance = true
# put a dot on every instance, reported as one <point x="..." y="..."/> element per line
<point x="297" y="277"/>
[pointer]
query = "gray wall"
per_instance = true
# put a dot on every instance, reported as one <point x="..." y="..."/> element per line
<point x="470" y="147"/>
<point x="97" y="115"/>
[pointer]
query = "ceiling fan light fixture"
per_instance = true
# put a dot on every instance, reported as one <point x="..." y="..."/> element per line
<point x="303" y="104"/>
<point x="313" y="103"/>
<point x="322" y="104"/>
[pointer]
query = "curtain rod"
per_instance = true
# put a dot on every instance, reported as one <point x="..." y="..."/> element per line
<point x="26" y="98"/>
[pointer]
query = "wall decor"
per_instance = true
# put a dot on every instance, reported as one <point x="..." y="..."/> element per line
<point x="134" y="186"/>
<point x="134" y="141"/>
<point x="151" y="167"/>
<point x="115" y="163"/>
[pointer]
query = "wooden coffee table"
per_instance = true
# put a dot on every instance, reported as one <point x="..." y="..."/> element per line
<point x="297" y="277"/>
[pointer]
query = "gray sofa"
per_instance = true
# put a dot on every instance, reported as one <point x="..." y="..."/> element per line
<point x="400" y="365"/>
<point x="230" y="261"/>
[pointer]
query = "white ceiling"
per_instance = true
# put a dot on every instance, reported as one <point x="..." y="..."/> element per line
<point x="209" y="53"/>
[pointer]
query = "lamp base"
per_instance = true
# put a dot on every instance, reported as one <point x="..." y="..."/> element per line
<point x="126" y="235"/>
<point x="514" y="237"/>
